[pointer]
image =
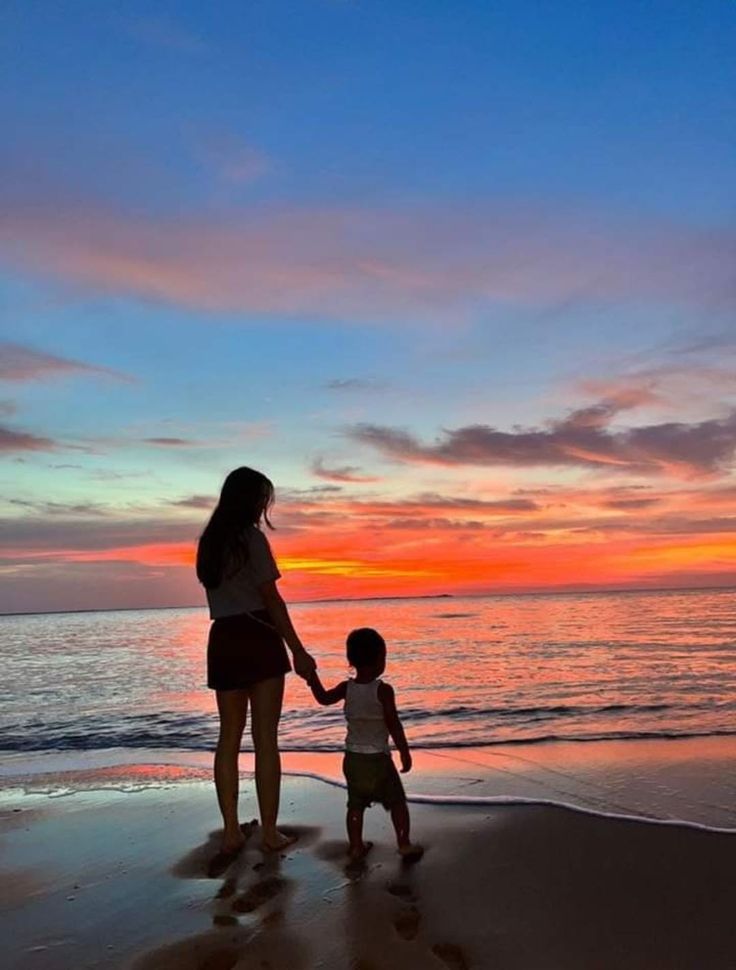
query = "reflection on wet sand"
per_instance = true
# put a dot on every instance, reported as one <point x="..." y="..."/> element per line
<point x="250" y="905"/>
<point x="126" y="887"/>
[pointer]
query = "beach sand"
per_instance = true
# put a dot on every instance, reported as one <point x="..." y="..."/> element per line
<point x="102" y="877"/>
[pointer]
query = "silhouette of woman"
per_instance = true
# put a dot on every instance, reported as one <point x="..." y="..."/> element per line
<point x="246" y="657"/>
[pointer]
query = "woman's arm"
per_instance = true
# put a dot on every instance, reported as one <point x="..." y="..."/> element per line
<point x="304" y="664"/>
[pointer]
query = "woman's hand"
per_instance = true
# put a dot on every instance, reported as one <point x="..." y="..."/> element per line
<point x="304" y="664"/>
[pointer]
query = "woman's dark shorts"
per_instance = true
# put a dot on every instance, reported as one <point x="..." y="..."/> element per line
<point x="372" y="778"/>
<point x="243" y="650"/>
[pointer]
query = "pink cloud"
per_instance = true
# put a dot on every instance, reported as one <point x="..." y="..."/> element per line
<point x="369" y="264"/>
<point x="19" y="363"/>
<point x="16" y="441"/>
<point x="667" y="385"/>
<point x="172" y="442"/>
<point x="50" y="534"/>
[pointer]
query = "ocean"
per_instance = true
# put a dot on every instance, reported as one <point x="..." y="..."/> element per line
<point x="468" y="671"/>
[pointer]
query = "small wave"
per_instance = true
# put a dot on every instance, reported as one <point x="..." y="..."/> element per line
<point x="199" y="742"/>
<point x="452" y="616"/>
<point x="492" y="801"/>
<point x="458" y="725"/>
<point x="464" y="712"/>
<point x="165" y="728"/>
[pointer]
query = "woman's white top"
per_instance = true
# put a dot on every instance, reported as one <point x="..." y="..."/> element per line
<point x="367" y="731"/>
<point x="238" y="592"/>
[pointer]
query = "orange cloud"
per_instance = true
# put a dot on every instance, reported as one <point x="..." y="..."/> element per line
<point x="709" y="554"/>
<point x="446" y="564"/>
<point x="330" y="545"/>
<point x="150" y="554"/>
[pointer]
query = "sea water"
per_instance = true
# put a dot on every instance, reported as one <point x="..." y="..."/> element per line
<point x="467" y="672"/>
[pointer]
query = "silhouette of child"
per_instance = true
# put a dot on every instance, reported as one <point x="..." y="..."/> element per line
<point x="370" y="711"/>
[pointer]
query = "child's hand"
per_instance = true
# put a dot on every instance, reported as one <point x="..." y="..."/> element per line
<point x="405" y="762"/>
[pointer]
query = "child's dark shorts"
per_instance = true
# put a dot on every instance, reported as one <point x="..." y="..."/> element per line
<point x="372" y="778"/>
<point x="243" y="650"/>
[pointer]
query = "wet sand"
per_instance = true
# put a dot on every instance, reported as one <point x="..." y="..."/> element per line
<point x="112" y="879"/>
<point x="678" y="779"/>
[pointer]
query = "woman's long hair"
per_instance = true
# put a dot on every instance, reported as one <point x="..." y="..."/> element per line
<point x="246" y="497"/>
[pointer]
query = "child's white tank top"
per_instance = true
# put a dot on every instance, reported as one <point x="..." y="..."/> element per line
<point x="367" y="731"/>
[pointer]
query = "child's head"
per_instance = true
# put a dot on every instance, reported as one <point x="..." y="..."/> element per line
<point x="366" y="650"/>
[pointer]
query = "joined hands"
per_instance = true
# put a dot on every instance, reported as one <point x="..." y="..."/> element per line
<point x="304" y="664"/>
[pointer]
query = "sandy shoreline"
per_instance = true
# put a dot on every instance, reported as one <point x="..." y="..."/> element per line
<point x="684" y="779"/>
<point x="113" y="879"/>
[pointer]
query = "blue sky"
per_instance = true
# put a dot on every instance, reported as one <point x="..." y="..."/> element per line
<point x="237" y="233"/>
<point x="626" y="104"/>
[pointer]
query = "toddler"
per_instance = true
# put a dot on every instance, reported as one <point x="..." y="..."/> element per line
<point x="370" y="711"/>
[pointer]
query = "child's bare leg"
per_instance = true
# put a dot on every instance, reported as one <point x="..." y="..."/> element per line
<point x="358" y="848"/>
<point x="400" y="818"/>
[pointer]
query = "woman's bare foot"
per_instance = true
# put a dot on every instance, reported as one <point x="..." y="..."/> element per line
<point x="276" y="841"/>
<point x="232" y="842"/>
<point x="230" y="848"/>
<point x="411" y="852"/>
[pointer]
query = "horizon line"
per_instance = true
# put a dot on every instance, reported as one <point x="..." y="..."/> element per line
<point x="580" y="591"/>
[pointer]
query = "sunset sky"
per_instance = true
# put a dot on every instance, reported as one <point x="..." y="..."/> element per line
<point x="459" y="277"/>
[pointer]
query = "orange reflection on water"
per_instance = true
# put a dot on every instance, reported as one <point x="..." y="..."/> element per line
<point x="484" y="670"/>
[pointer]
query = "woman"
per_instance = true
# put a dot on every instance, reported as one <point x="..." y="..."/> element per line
<point x="246" y="658"/>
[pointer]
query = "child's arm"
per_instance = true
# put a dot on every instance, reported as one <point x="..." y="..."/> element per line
<point x="395" y="728"/>
<point x="322" y="696"/>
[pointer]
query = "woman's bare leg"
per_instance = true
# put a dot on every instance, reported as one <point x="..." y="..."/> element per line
<point x="266" y="699"/>
<point x="233" y="708"/>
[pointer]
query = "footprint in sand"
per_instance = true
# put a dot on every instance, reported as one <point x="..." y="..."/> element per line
<point x="206" y="860"/>
<point x="259" y="894"/>
<point x="273" y="919"/>
<point x="221" y="960"/>
<point x="451" y="955"/>
<point x="227" y="889"/>
<point x="406" y="923"/>
<point x="224" y="920"/>
<point x="402" y="891"/>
